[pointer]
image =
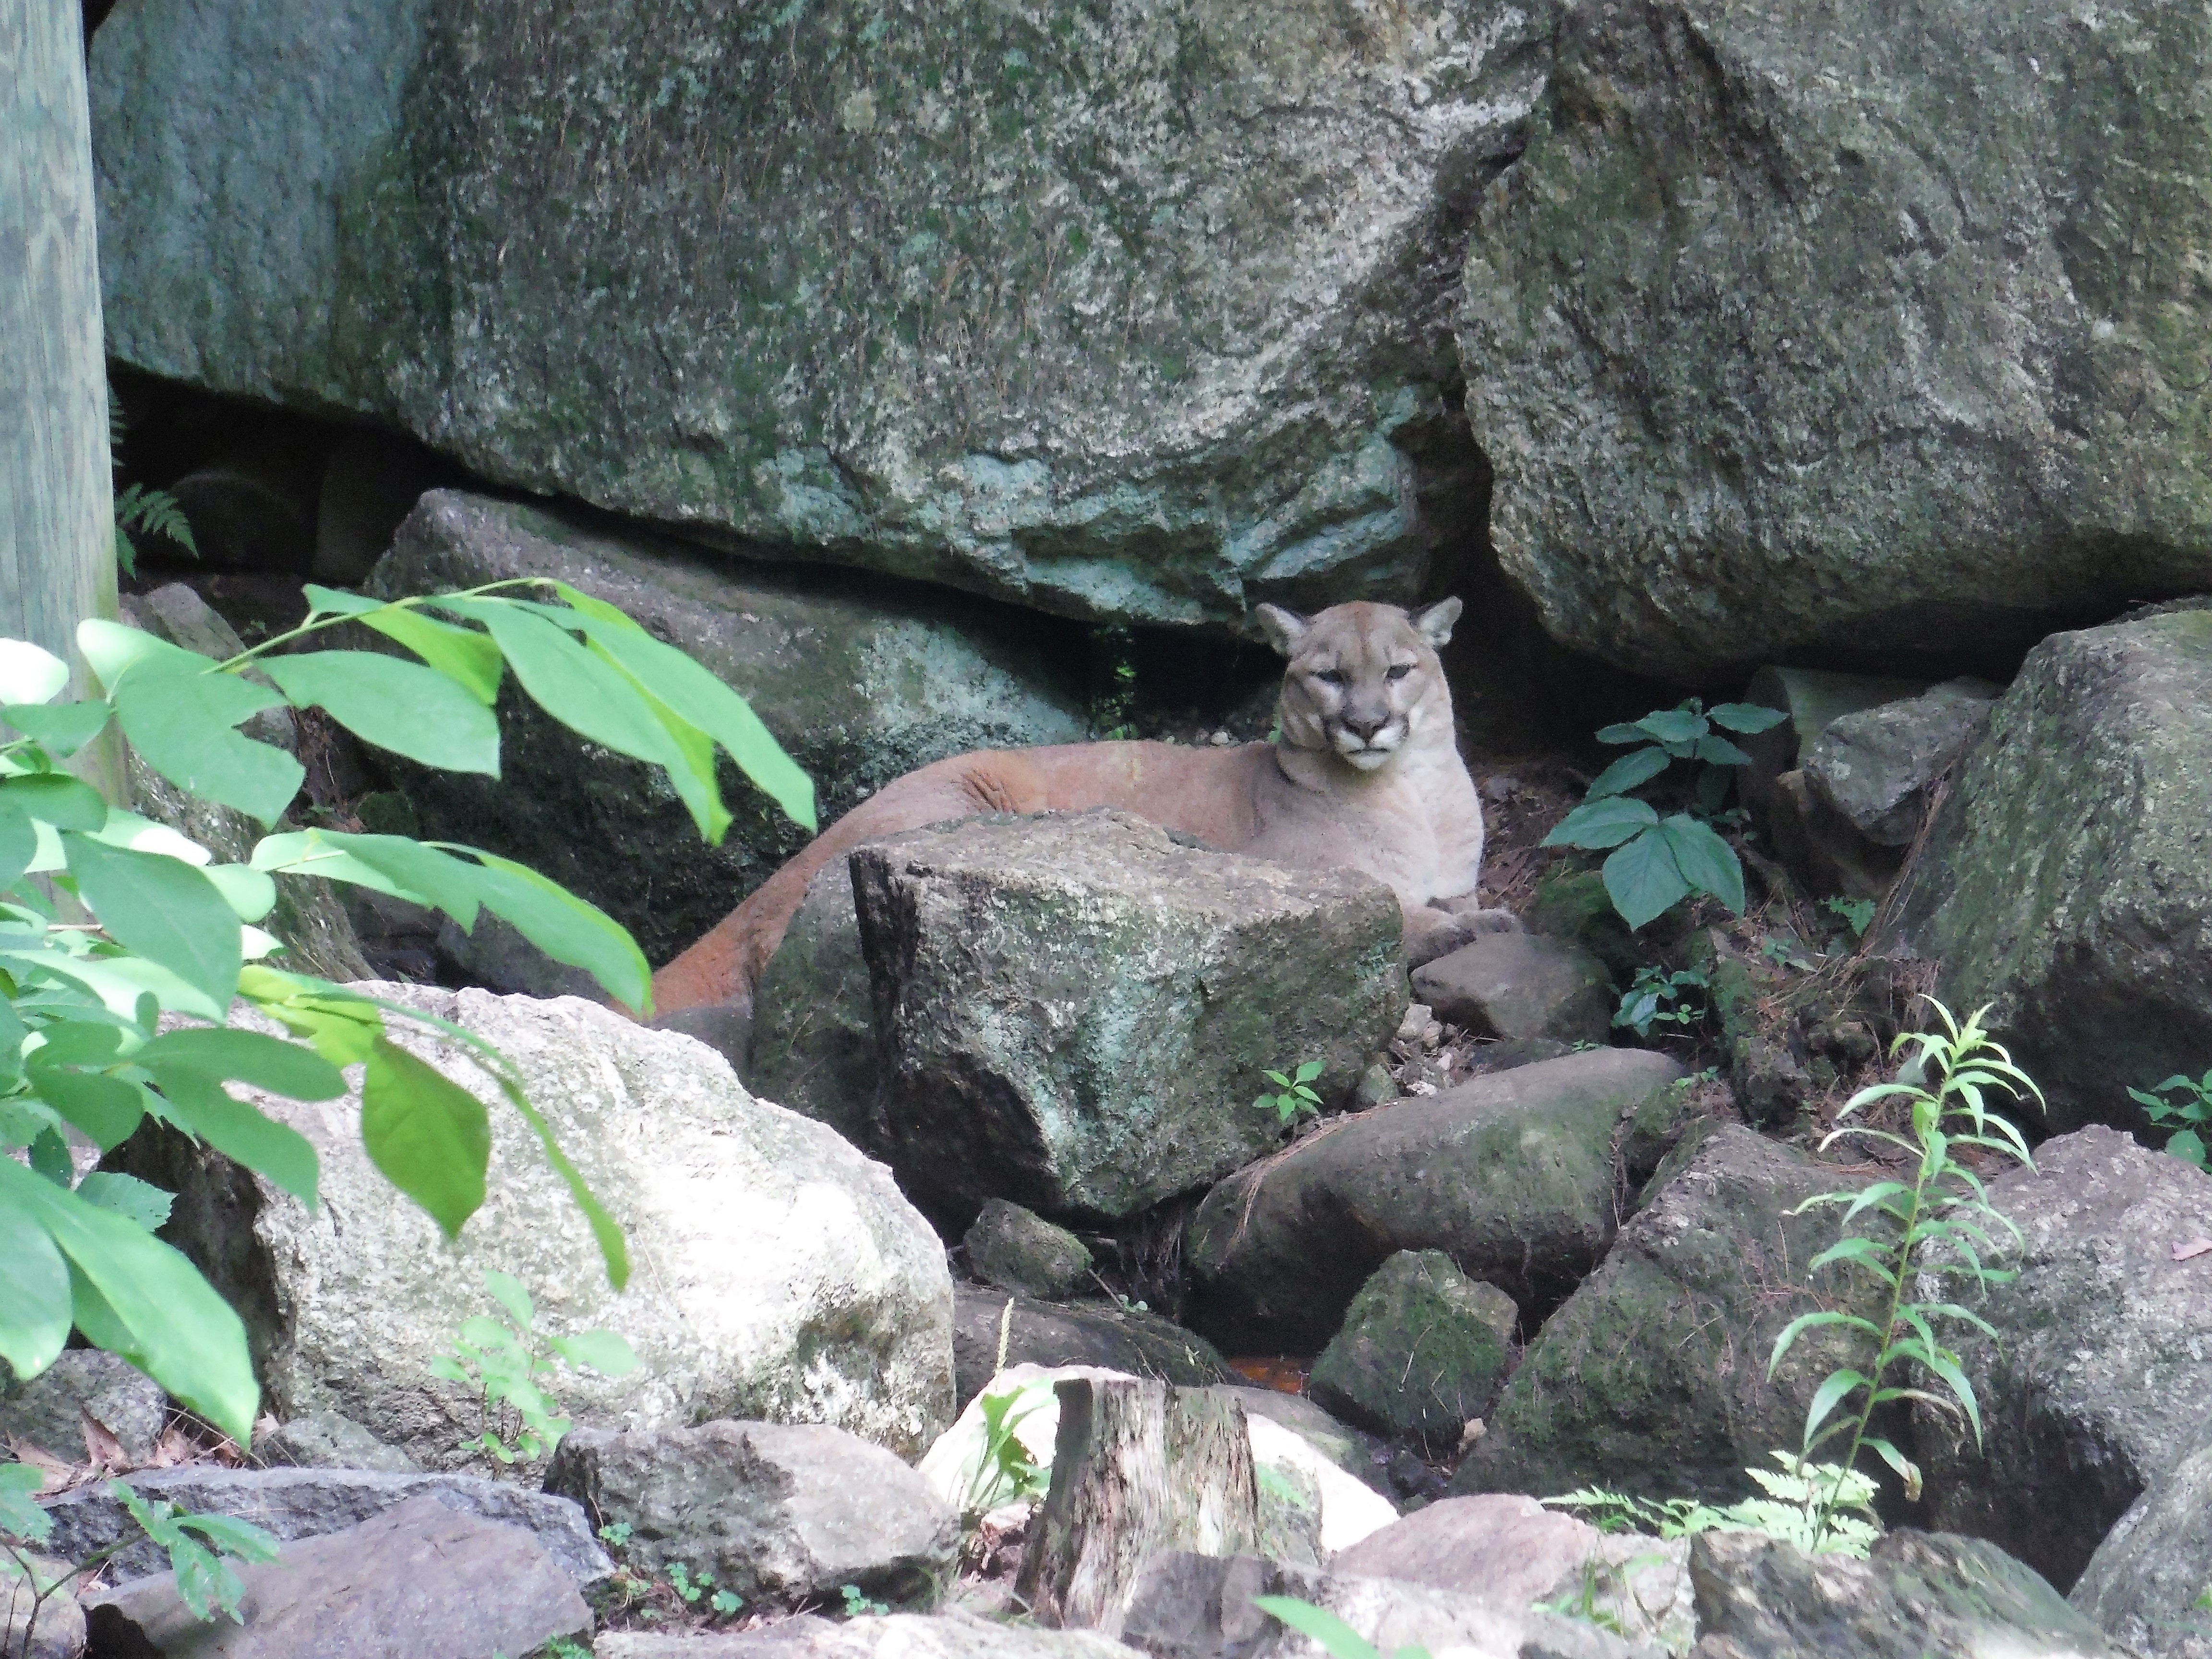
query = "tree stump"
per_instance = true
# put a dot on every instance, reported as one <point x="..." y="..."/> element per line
<point x="1138" y="1467"/>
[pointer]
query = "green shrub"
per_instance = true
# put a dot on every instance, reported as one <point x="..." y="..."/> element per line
<point x="1656" y="862"/>
<point x="2187" y="1114"/>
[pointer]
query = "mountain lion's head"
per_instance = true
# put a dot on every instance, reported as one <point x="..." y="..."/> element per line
<point x="1363" y="678"/>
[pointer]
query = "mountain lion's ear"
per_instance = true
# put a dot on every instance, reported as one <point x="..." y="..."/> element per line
<point x="1285" y="630"/>
<point x="1434" y="620"/>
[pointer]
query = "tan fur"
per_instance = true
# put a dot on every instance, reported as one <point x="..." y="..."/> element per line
<point x="1366" y="775"/>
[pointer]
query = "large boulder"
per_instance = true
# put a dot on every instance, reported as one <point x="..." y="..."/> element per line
<point x="1651" y="1379"/>
<point x="860" y="681"/>
<point x="812" y="1040"/>
<point x="418" y="1578"/>
<point x="1918" y="1595"/>
<point x="778" y="1274"/>
<point x="1142" y="313"/>
<point x="1097" y="1332"/>
<point x="1514" y="1177"/>
<point x="49" y="1411"/>
<point x="1073" y="1011"/>
<point x="2068" y="877"/>
<point x="788" y="1511"/>
<point x="2096" y="1383"/>
<point x="1863" y="332"/>
<point x="2145" y="1585"/>
<point x="1423" y="1350"/>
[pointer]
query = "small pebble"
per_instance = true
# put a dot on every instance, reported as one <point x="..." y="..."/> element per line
<point x="1418" y="1018"/>
<point x="1221" y="740"/>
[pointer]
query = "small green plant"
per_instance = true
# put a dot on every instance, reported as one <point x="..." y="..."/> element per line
<point x="1822" y="1508"/>
<point x="692" y="1588"/>
<point x="200" y="1548"/>
<point x="1325" y="1627"/>
<point x="1655" y="862"/>
<point x="504" y="1364"/>
<point x="1581" y="1603"/>
<point x="1659" y="998"/>
<point x="2187" y="1114"/>
<point x="1292" y="1097"/>
<point x="1857" y="914"/>
<point x="1006" y="1474"/>
<point x="1943" y="1205"/>
<point x="149" y="513"/>
<point x="858" y="1606"/>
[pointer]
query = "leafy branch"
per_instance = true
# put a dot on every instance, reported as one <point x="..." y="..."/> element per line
<point x="1939" y="1229"/>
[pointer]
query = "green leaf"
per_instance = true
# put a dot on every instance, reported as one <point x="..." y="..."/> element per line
<point x="391" y="863"/>
<point x="1705" y="861"/>
<point x="137" y="1297"/>
<point x="1625" y="731"/>
<point x="20" y="1483"/>
<point x="431" y="1137"/>
<point x="464" y="656"/>
<point x="49" y="1155"/>
<point x="233" y="1536"/>
<point x="199" y="1105"/>
<point x="30" y="673"/>
<point x="53" y="799"/>
<point x="605" y="1351"/>
<point x="250" y="893"/>
<point x="163" y="909"/>
<point x="1319" y="1623"/>
<point x="34" y="1295"/>
<point x="106" y="1108"/>
<point x="1719" y="751"/>
<point x="591" y="698"/>
<point x="19" y="843"/>
<point x="401" y="706"/>
<point x="1642" y="879"/>
<point x="1745" y="716"/>
<point x="1638" y="766"/>
<point x="567" y="928"/>
<point x="696" y="695"/>
<point x="511" y="1294"/>
<point x="1673" y="726"/>
<point x="1605" y="822"/>
<point x="138" y="1202"/>
<point x="181" y="726"/>
<point x="266" y="1062"/>
<point x="61" y="728"/>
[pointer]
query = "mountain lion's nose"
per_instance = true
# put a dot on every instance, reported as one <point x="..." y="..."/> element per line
<point x="1364" y="726"/>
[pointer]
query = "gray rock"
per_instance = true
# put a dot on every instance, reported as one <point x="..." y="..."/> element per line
<point x="1200" y="1607"/>
<point x="1423" y="1349"/>
<point x="1350" y="1449"/>
<point x="1094" y="1332"/>
<point x="2144" y="1585"/>
<point x="38" y="1599"/>
<point x="781" y="1512"/>
<point x="862" y="681"/>
<point x="1145" y="316"/>
<point x="1651" y="1378"/>
<point x="1813" y="699"/>
<point x="1512" y="1175"/>
<point x="48" y="1410"/>
<point x="813" y="1044"/>
<point x="329" y="1440"/>
<point x="1073" y="1010"/>
<point x="418" y="1579"/>
<point x="1520" y="986"/>
<point x="2067" y="876"/>
<point x="2096" y="1385"/>
<point x="730" y="1203"/>
<point x="1011" y="1248"/>
<point x="1513" y="1551"/>
<point x="1920" y="1596"/>
<point x="293" y="1504"/>
<point x="1963" y="381"/>
<point x="1491" y="1057"/>
<point x="1876" y="767"/>
<point x="950" y="1635"/>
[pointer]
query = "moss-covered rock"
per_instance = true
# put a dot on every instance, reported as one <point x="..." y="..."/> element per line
<point x="860" y="681"/>
<point x="1651" y="1378"/>
<point x="1016" y="1249"/>
<point x="1514" y="1177"/>
<point x="2068" y="878"/>
<point x="1423" y="1349"/>
<point x="1859" y="330"/>
<point x="1124" y="312"/>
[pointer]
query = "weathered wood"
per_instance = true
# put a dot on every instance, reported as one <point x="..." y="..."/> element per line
<point x="1137" y="1468"/>
<point x="56" y="505"/>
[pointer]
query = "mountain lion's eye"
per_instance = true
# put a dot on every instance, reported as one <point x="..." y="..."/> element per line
<point x="1330" y="676"/>
<point x="1400" y="671"/>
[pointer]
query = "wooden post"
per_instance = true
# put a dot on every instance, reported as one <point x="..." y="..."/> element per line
<point x="57" y="500"/>
<point x="1137" y="1468"/>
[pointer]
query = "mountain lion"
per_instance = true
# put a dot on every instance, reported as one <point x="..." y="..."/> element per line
<point x="1365" y="773"/>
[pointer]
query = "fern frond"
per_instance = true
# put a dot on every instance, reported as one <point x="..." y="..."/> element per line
<point x="155" y="512"/>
